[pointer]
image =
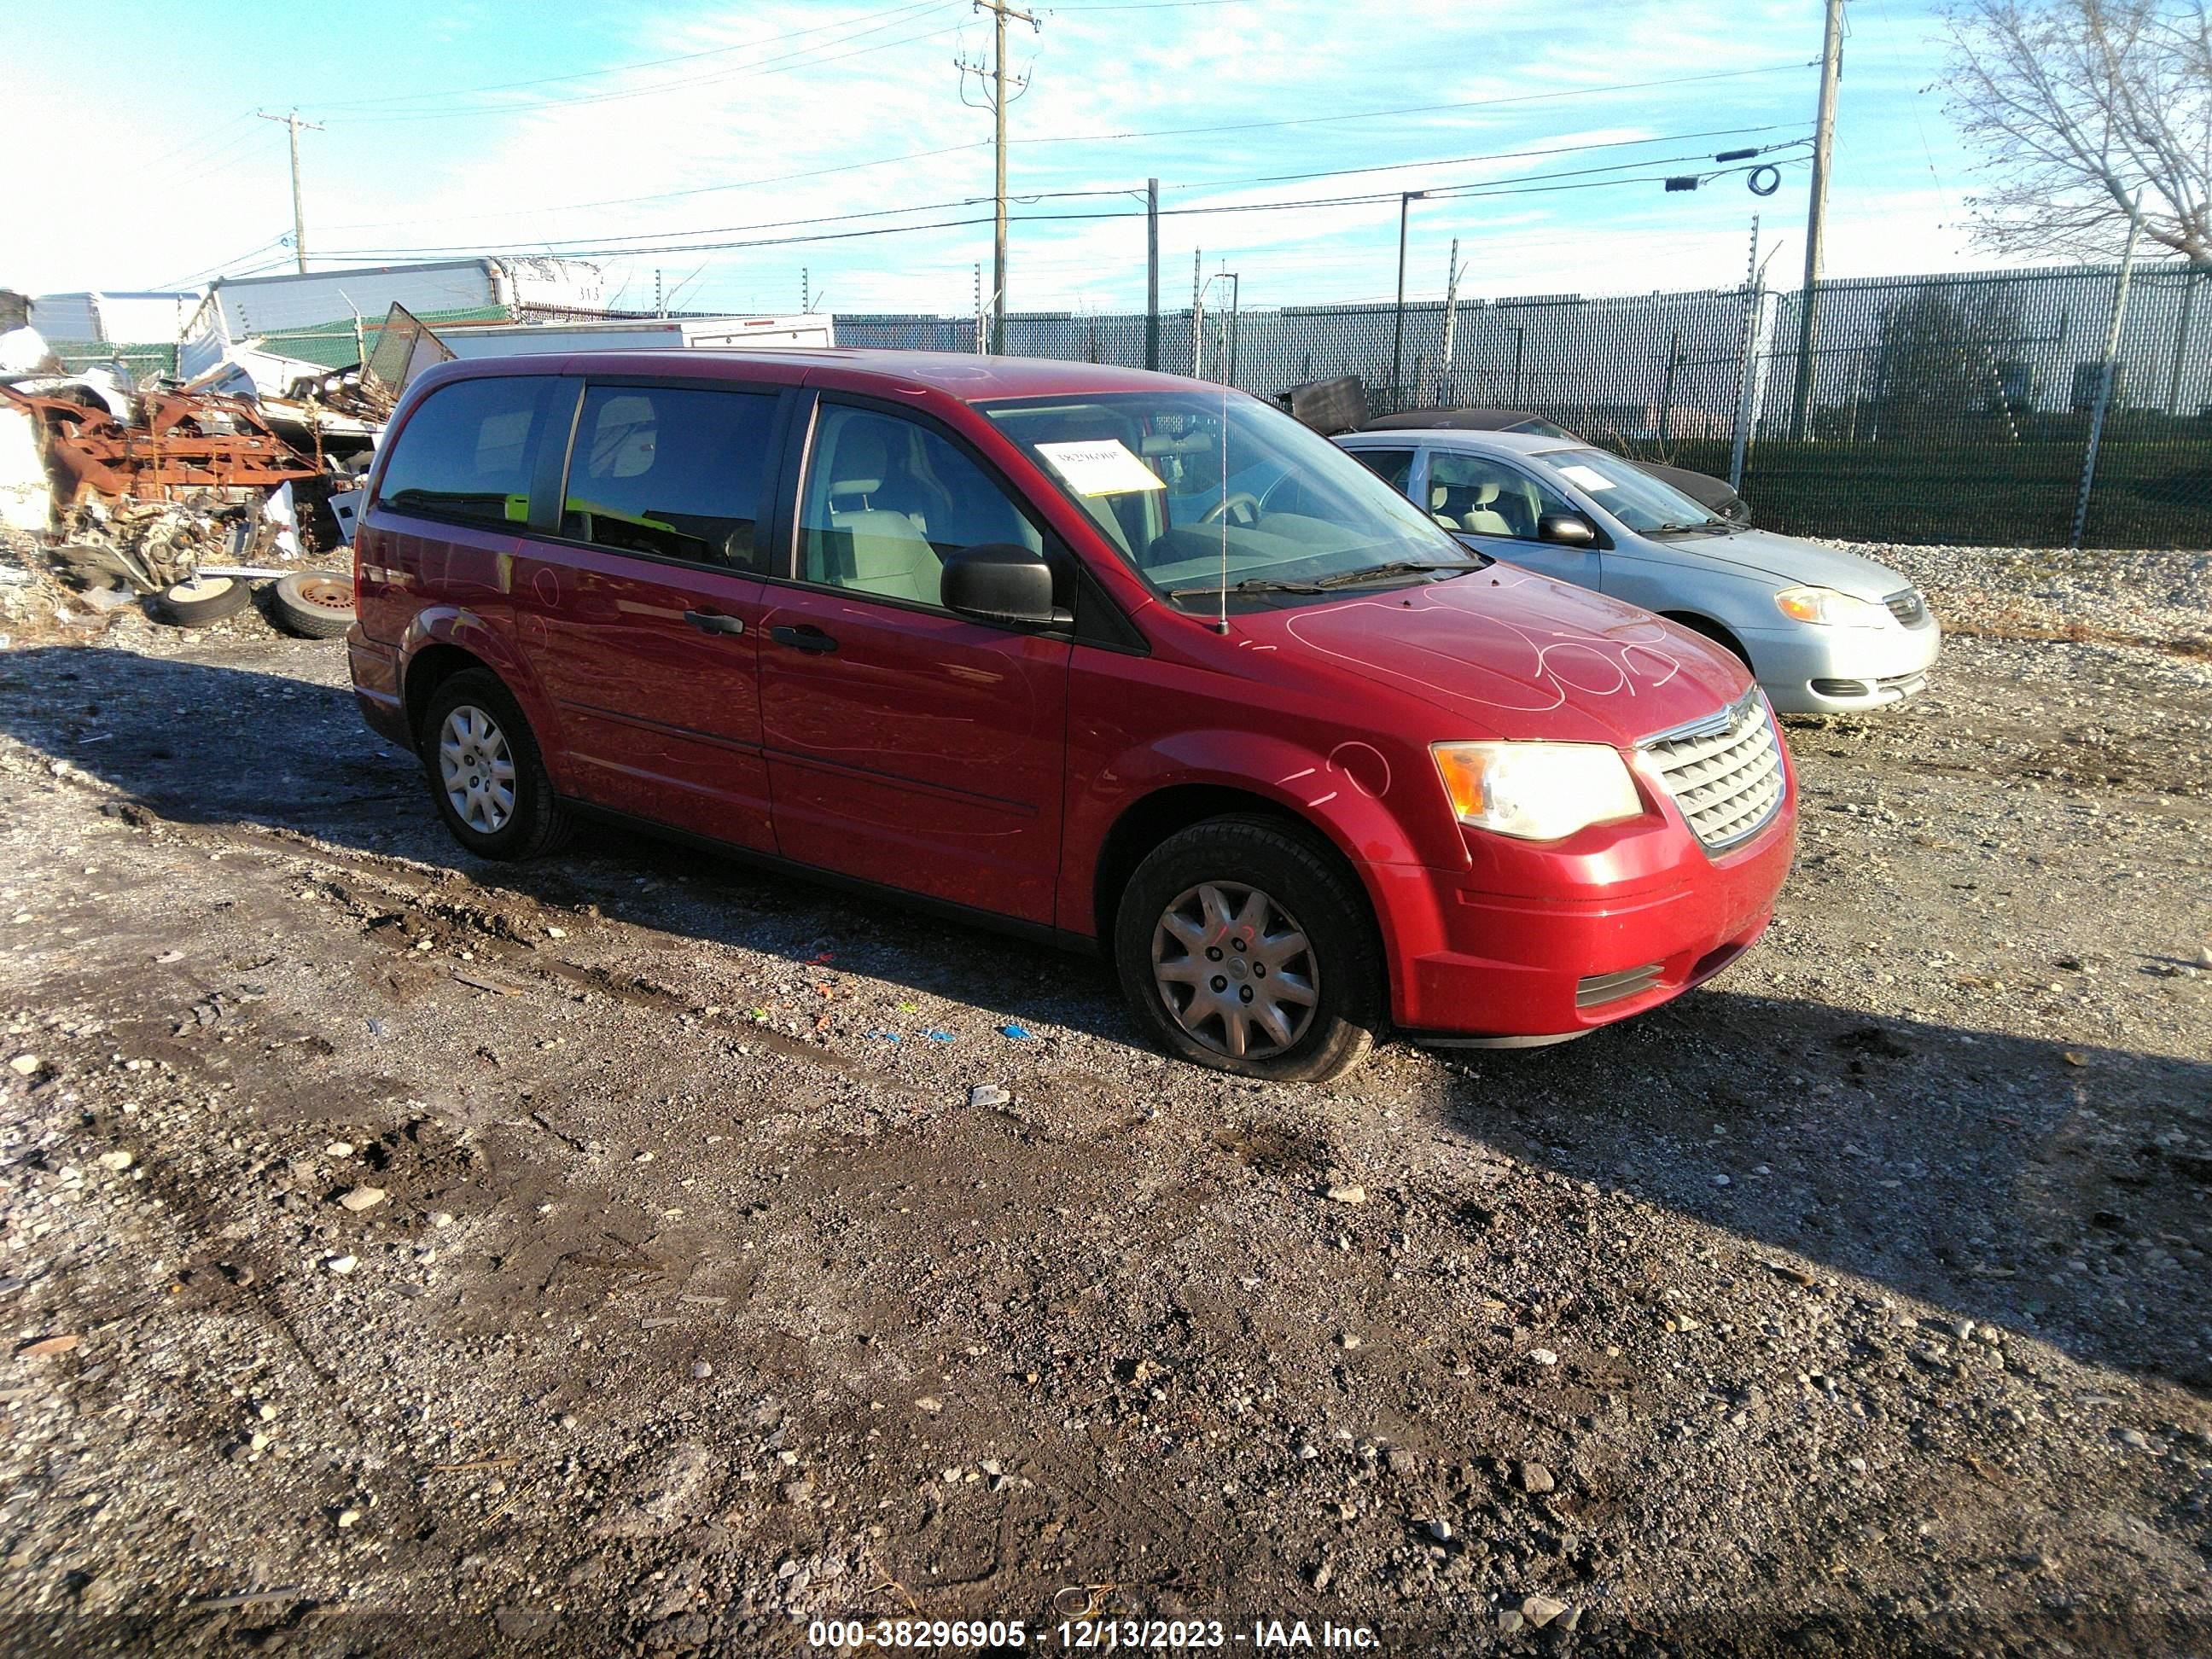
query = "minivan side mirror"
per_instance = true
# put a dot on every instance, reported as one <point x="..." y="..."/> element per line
<point x="1001" y="582"/>
<point x="1567" y="529"/>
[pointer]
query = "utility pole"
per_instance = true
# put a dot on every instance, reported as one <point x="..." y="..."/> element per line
<point x="1000" y="11"/>
<point x="1449" y="369"/>
<point x="1746" y="396"/>
<point x="1197" y="321"/>
<point x="1236" y="290"/>
<point x="298" y="213"/>
<point x="1816" y="216"/>
<point x="2106" y="372"/>
<point x="1151" y="273"/>
<point x="1405" y="201"/>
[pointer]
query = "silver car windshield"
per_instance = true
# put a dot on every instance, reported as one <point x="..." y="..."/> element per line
<point x="1628" y="492"/>
<point x="1199" y="492"/>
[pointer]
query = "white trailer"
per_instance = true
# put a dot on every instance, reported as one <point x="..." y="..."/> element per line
<point x="273" y="305"/>
<point x="637" y="334"/>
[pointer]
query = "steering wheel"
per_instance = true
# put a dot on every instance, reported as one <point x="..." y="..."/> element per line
<point x="1241" y="510"/>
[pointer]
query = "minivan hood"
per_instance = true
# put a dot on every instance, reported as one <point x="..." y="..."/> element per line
<point x="1789" y="561"/>
<point x="1507" y="653"/>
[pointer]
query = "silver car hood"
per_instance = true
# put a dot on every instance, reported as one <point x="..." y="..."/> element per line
<point x="1787" y="559"/>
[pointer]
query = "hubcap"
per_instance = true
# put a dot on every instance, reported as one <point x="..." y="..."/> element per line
<point x="476" y="769"/>
<point x="1236" y="970"/>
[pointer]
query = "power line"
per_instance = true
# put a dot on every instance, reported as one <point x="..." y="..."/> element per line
<point x="221" y="266"/>
<point x="176" y="153"/>
<point x="607" y="244"/>
<point x="673" y="195"/>
<point x="1537" y="184"/>
<point x="217" y="162"/>
<point x="1500" y="155"/>
<point x="1072" y="138"/>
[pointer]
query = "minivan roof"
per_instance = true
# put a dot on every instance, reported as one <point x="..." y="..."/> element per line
<point x="955" y="374"/>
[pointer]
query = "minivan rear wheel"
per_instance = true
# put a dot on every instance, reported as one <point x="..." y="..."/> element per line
<point x="1245" y="946"/>
<point x="485" y="771"/>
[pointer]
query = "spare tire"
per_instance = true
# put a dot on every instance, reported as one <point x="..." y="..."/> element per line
<point x="316" y="604"/>
<point x="202" y="601"/>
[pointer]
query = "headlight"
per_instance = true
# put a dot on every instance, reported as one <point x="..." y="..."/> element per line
<point x="1536" y="790"/>
<point x="1829" y="609"/>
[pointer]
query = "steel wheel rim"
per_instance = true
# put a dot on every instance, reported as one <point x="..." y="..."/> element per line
<point x="476" y="769"/>
<point x="1235" y="971"/>
<point x="327" y="593"/>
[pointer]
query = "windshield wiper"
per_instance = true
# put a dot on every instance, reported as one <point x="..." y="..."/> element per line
<point x="1396" y="568"/>
<point x="1674" y="526"/>
<point x="1249" y="584"/>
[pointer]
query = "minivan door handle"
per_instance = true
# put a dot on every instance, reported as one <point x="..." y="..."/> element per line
<point x="713" y="621"/>
<point x="806" y="638"/>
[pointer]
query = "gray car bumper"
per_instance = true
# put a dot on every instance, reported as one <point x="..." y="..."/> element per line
<point x="1808" y="669"/>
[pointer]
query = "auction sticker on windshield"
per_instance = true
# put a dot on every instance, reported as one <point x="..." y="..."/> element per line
<point x="1587" y="477"/>
<point x="1102" y="466"/>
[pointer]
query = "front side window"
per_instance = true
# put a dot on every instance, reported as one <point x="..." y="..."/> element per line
<point x="465" y="452"/>
<point x="1629" y="493"/>
<point x="676" y="473"/>
<point x="1481" y="496"/>
<point x="887" y="499"/>
<point x="1202" y="492"/>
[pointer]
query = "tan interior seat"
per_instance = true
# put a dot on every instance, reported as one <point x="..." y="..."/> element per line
<point x="1483" y="519"/>
<point x="891" y="554"/>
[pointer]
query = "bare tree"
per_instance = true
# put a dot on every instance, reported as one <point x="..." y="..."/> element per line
<point x="2077" y="106"/>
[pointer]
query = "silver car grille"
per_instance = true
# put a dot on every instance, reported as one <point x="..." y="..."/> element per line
<point x="1907" y="607"/>
<point x="1725" y="772"/>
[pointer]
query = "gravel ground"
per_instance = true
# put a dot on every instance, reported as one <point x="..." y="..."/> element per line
<point x="2158" y="598"/>
<point x="629" y="1252"/>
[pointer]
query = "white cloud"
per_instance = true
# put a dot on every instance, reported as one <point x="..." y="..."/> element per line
<point x="809" y="110"/>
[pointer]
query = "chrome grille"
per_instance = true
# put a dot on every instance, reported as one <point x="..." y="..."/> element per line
<point x="1725" y="772"/>
<point x="1907" y="607"/>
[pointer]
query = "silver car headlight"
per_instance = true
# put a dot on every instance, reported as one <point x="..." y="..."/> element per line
<point x="1536" y="790"/>
<point x="1824" y="607"/>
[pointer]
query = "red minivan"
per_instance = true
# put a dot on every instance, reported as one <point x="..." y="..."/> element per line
<point x="1126" y="662"/>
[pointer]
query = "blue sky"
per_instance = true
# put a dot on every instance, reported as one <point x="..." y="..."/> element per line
<point x="475" y="126"/>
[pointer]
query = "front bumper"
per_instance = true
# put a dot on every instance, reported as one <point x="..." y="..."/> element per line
<point x="1520" y="965"/>
<point x="1805" y="670"/>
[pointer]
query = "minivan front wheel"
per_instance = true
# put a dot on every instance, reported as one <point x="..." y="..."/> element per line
<point x="484" y="770"/>
<point x="1245" y="947"/>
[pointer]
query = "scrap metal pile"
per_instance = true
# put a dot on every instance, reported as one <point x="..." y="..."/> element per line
<point x="183" y="493"/>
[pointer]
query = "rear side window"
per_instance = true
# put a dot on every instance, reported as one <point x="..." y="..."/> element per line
<point x="465" y="453"/>
<point x="1391" y="465"/>
<point x="677" y="473"/>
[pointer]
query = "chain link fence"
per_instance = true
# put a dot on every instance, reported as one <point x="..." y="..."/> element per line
<point x="1945" y="409"/>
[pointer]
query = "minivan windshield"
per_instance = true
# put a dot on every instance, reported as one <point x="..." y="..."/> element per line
<point x="1202" y="492"/>
<point x="1630" y="494"/>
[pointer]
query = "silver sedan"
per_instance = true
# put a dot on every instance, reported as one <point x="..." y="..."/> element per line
<point x="1823" y="631"/>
